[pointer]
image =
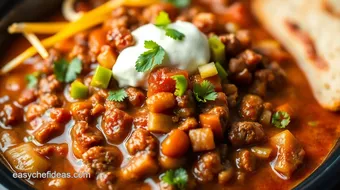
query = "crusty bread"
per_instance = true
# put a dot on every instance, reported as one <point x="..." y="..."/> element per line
<point x="311" y="33"/>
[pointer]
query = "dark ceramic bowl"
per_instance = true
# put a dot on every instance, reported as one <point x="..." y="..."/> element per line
<point x="324" y="177"/>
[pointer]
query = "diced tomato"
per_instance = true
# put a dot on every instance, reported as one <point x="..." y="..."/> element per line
<point x="160" y="80"/>
<point x="215" y="80"/>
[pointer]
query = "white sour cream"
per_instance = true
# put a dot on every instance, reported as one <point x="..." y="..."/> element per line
<point x="187" y="54"/>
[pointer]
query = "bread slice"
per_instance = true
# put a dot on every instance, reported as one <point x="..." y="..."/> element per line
<point x="311" y="33"/>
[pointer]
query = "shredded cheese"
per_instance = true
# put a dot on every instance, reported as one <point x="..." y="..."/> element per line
<point x="68" y="11"/>
<point x="37" y="28"/>
<point x="34" y="40"/>
<point x="88" y="20"/>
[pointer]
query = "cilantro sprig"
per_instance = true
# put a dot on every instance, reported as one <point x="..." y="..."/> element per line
<point x="162" y="21"/>
<point x="32" y="79"/>
<point x="181" y="84"/>
<point x="118" y="95"/>
<point x="204" y="91"/>
<point x="67" y="72"/>
<point x="280" y="119"/>
<point x="149" y="59"/>
<point x="178" y="178"/>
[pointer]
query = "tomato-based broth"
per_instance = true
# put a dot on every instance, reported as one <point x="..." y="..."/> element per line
<point x="151" y="117"/>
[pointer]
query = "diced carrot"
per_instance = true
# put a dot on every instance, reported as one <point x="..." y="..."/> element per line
<point x="160" y="80"/>
<point x="213" y="122"/>
<point x="161" y="102"/>
<point x="176" y="144"/>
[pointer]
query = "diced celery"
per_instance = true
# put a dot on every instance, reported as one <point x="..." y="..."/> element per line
<point x="79" y="90"/>
<point x="217" y="49"/>
<point x="101" y="77"/>
<point x="221" y="71"/>
<point x="207" y="70"/>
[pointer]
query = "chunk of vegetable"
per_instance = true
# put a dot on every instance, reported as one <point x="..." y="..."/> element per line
<point x="107" y="58"/>
<point x="176" y="144"/>
<point x="101" y="77"/>
<point x="139" y="167"/>
<point x="217" y="49"/>
<point x="288" y="109"/>
<point x="160" y="123"/>
<point x="202" y="139"/>
<point x="207" y="70"/>
<point x="8" y="139"/>
<point x="160" y="102"/>
<point x="226" y="175"/>
<point x="261" y="152"/>
<point x="290" y="153"/>
<point x="23" y="158"/>
<point x="167" y="162"/>
<point x="213" y="122"/>
<point x="221" y="71"/>
<point x="79" y="90"/>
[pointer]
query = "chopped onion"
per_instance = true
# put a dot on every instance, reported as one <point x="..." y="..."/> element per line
<point x="68" y="11"/>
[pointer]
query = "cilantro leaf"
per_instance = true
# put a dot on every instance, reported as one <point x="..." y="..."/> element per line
<point x="178" y="177"/>
<point x="204" y="91"/>
<point x="162" y="20"/>
<point x="280" y="119"/>
<point x="181" y="84"/>
<point x="32" y="79"/>
<point x="179" y="3"/>
<point x="73" y="70"/>
<point x="149" y="59"/>
<point x="60" y="69"/>
<point x="118" y="95"/>
<point x="174" y="34"/>
<point x="66" y="72"/>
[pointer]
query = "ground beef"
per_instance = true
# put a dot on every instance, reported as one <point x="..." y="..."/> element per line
<point x="246" y="133"/>
<point x="245" y="160"/>
<point x="141" y="140"/>
<point x="47" y="131"/>
<point x="49" y="85"/>
<point x="11" y="114"/>
<point x="251" y="107"/>
<point x="124" y="17"/>
<point x="120" y="38"/>
<point x="81" y="111"/>
<point x="207" y="167"/>
<point x="60" y="115"/>
<point x="27" y="96"/>
<point x="188" y="124"/>
<point x="232" y="45"/>
<point x="85" y="137"/>
<point x="49" y="150"/>
<point x="205" y="22"/>
<point x="186" y="106"/>
<point x="116" y="125"/>
<point x="106" y="180"/>
<point x="232" y="94"/>
<point x="136" y="96"/>
<point x="150" y="13"/>
<point x="50" y="100"/>
<point x="34" y="110"/>
<point x="101" y="159"/>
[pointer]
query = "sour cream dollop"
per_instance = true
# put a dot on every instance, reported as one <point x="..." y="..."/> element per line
<point x="187" y="54"/>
